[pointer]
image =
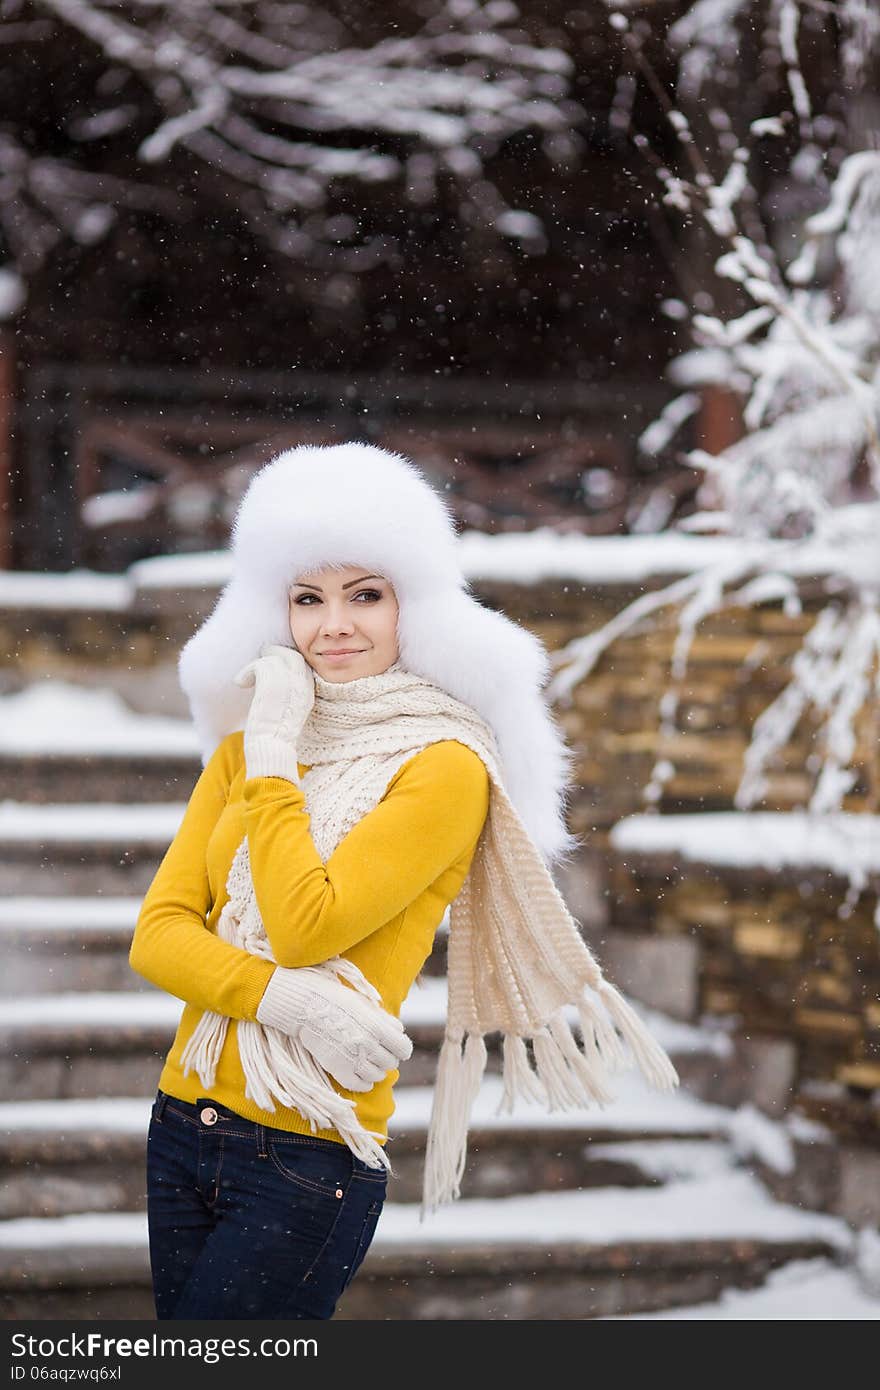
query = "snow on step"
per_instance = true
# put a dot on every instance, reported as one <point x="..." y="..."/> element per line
<point x="528" y="557"/>
<point x="424" y="1006"/>
<point x="56" y="716"/>
<point x="101" y="1009"/>
<point x="46" y="915"/>
<point x="638" y="1108"/>
<point x="814" y="1290"/>
<point x="81" y="589"/>
<point x="842" y="842"/>
<point x="669" y="1160"/>
<point x="90" y="822"/>
<point x="110" y="1114"/>
<point x="731" y="1205"/>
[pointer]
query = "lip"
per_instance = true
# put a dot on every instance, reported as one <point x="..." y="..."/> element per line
<point x="348" y="651"/>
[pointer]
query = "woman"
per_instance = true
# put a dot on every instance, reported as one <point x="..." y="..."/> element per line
<point x="377" y="748"/>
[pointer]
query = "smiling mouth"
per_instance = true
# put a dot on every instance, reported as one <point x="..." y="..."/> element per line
<point x="345" y="651"/>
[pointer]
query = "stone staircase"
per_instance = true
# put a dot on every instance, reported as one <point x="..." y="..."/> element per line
<point x="650" y="1204"/>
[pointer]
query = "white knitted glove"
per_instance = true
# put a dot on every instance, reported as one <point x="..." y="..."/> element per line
<point x="284" y="693"/>
<point x="353" y="1038"/>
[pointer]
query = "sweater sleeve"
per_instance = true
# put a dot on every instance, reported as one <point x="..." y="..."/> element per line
<point x="430" y="816"/>
<point x="172" y="946"/>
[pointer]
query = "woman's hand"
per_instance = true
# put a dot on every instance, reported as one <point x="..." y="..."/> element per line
<point x="284" y="694"/>
<point x="350" y="1035"/>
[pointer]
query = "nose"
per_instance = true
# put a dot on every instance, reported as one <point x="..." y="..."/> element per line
<point x="336" y="620"/>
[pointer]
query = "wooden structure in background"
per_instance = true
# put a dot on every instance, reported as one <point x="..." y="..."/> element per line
<point x="170" y="450"/>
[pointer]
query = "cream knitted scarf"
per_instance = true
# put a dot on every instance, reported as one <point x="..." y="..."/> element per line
<point x="516" y="959"/>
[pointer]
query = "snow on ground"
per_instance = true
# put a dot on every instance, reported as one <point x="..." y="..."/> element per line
<point x="730" y="1205"/>
<point x="46" y="915"/>
<point x="82" y="589"/>
<point x="637" y="1108"/>
<point x="668" y="1160"/>
<point x="90" y="821"/>
<point x="543" y="553"/>
<point x="204" y="569"/>
<point x="56" y="716"/>
<point x="526" y="558"/>
<point x="805" y="1289"/>
<point x="841" y="843"/>
<point x="425" y="1005"/>
<point x="116" y="1114"/>
<point x="147" y="1008"/>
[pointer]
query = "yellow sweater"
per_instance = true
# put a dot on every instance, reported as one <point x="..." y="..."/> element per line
<point x="378" y="900"/>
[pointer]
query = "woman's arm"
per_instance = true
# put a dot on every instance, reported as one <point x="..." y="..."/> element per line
<point x="431" y="814"/>
<point x="171" y="946"/>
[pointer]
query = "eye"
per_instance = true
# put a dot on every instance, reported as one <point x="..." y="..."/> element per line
<point x="372" y="594"/>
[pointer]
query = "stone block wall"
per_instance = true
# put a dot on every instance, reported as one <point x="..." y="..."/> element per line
<point x="773" y="955"/>
<point x="739" y="662"/>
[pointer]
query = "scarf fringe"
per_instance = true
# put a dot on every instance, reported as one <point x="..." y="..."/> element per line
<point x="459" y="1073"/>
<point x="564" y="1077"/>
<point x="602" y="1045"/>
<point x="647" y="1053"/>
<point x="202" y="1052"/>
<point x="591" y="1077"/>
<point x="519" y="1079"/>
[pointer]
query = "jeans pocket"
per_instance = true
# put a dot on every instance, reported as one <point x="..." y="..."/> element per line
<point x="371" y="1220"/>
<point x="318" y="1171"/>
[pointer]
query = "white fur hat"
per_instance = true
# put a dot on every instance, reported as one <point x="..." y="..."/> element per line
<point x="357" y="504"/>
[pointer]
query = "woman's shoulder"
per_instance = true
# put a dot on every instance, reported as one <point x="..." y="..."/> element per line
<point x="449" y="762"/>
<point x="228" y="755"/>
<point x="232" y="746"/>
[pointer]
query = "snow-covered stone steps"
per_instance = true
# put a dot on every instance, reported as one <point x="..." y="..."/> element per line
<point x="94" y="1043"/>
<point x="123" y="1056"/>
<point x="562" y="1255"/>
<point x="137" y="777"/>
<point x="104" y="848"/>
<point x="53" y="945"/>
<point x="62" y="1157"/>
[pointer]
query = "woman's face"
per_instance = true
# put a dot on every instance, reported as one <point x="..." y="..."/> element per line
<point x="348" y="610"/>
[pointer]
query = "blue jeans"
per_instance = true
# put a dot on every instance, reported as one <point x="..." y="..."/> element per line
<point x="251" y="1222"/>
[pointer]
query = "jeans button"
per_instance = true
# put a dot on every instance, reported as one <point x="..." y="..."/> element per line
<point x="209" y="1115"/>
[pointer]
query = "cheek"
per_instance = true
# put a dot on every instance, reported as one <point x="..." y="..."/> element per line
<point x="299" y="623"/>
<point x="389" y="624"/>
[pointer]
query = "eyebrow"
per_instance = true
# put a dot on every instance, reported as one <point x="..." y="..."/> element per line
<point x="345" y="586"/>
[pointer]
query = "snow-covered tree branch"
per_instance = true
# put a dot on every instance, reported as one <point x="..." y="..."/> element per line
<point x="285" y="105"/>
<point x="801" y="487"/>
